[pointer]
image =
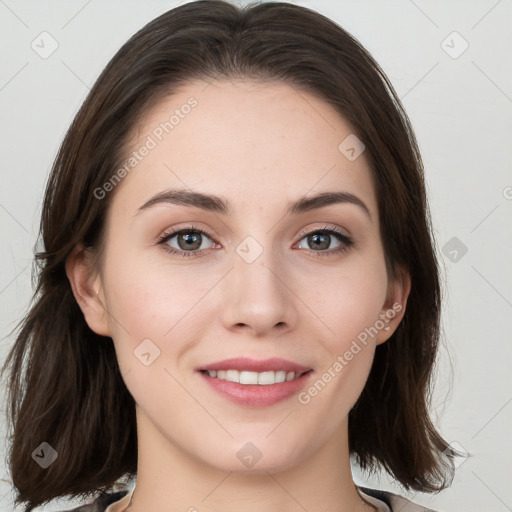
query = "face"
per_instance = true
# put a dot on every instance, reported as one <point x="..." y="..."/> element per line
<point x="189" y="282"/>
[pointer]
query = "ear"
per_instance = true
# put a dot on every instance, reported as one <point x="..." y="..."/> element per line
<point x="87" y="288"/>
<point x="393" y="309"/>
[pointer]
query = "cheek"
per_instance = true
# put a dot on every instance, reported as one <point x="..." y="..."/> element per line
<point x="148" y="300"/>
<point x="351" y="313"/>
<point x="148" y="312"/>
<point x="354" y="303"/>
<point x="145" y="298"/>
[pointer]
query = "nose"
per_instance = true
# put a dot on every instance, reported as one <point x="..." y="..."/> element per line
<point x="257" y="297"/>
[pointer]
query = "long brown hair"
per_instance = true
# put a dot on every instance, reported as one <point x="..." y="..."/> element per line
<point x="65" y="387"/>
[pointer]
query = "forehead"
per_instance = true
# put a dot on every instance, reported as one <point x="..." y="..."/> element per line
<point x="241" y="139"/>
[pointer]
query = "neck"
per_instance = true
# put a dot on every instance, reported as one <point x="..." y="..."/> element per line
<point x="172" y="480"/>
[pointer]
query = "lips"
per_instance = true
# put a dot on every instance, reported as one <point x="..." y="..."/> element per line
<point x="255" y="395"/>
<point x="274" y="364"/>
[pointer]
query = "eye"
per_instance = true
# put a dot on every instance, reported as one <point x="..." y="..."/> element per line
<point x="189" y="240"/>
<point x="321" y="239"/>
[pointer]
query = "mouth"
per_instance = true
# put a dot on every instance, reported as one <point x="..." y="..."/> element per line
<point x="254" y="383"/>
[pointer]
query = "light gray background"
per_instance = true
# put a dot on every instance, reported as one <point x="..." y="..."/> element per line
<point x="461" y="110"/>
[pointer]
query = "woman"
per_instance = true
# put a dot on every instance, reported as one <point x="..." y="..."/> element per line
<point x="238" y="288"/>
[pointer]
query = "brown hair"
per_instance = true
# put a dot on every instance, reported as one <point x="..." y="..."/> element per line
<point x="72" y="395"/>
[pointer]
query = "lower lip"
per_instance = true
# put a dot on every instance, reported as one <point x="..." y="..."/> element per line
<point x="255" y="395"/>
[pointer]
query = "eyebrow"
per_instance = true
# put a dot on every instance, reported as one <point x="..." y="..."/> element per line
<point x="218" y="204"/>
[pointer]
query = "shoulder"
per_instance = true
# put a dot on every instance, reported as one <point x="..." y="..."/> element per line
<point x="101" y="503"/>
<point x="394" y="501"/>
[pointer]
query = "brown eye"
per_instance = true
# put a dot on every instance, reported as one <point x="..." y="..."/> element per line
<point x="319" y="241"/>
<point x="185" y="242"/>
<point x="188" y="240"/>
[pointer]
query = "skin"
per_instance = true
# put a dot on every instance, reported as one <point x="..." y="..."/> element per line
<point x="260" y="146"/>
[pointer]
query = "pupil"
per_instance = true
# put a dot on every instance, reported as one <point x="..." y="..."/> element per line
<point x="190" y="239"/>
<point x="323" y="245"/>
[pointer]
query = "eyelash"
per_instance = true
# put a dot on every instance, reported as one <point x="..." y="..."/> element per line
<point x="345" y="242"/>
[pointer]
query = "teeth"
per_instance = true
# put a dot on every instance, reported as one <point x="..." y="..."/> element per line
<point x="232" y="376"/>
<point x="245" y="377"/>
<point x="248" y="378"/>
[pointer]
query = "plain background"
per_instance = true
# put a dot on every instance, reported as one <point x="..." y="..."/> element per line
<point x="460" y="103"/>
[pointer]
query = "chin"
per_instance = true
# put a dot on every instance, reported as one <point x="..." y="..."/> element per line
<point x="254" y="457"/>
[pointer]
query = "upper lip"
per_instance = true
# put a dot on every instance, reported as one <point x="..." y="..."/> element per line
<point x="253" y="365"/>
